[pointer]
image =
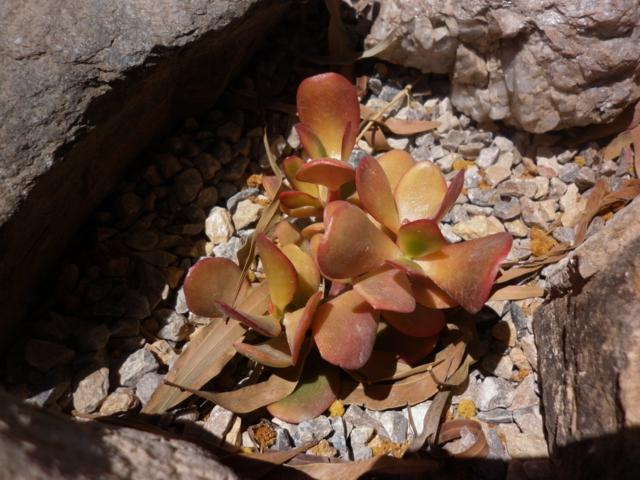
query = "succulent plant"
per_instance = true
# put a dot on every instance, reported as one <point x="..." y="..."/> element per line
<point x="371" y="258"/>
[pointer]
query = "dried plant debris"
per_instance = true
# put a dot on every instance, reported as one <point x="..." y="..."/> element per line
<point x="223" y="270"/>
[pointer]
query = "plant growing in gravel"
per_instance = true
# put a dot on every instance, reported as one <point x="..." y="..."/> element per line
<point x="371" y="273"/>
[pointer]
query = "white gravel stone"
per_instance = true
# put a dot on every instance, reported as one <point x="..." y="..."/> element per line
<point x="247" y="212"/>
<point x="91" y="388"/>
<point x="487" y="156"/>
<point x="501" y="170"/>
<point x="478" y="226"/>
<point x="138" y="364"/>
<point x="493" y="393"/>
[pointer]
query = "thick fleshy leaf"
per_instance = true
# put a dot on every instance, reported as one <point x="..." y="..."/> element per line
<point x="387" y="289"/>
<point x="420" y="237"/>
<point x="291" y="165"/>
<point x="429" y="294"/>
<point x="263" y="324"/>
<point x="310" y="141"/>
<point x="272" y="353"/>
<point x="326" y="171"/>
<point x="298" y="322"/>
<point x="348" y="140"/>
<point x="293" y="199"/>
<point x="420" y="192"/>
<point x="422" y="322"/>
<point x="395" y="164"/>
<point x="344" y="330"/>
<point x="328" y="103"/>
<point x="411" y="268"/>
<point x="281" y="275"/>
<point x="316" y="391"/>
<point x="466" y="271"/>
<point x="286" y="233"/>
<point x="311" y="230"/>
<point x="408" y="348"/>
<point x="375" y="193"/>
<point x="453" y="192"/>
<point x="210" y="280"/>
<point x="307" y="270"/>
<point x="302" y="212"/>
<point x="352" y="245"/>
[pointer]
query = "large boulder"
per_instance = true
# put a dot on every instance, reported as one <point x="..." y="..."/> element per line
<point x="85" y="85"/>
<point x="588" y="339"/>
<point x="537" y="65"/>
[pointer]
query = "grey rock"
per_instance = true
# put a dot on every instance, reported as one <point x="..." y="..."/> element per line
<point x="60" y="67"/>
<point x="247" y="212"/>
<point x="396" y="425"/>
<point x="525" y="395"/>
<point x="453" y="139"/>
<point x="121" y="400"/>
<point x="568" y="173"/>
<point x="236" y="198"/>
<point x="564" y="235"/>
<point x="499" y="365"/>
<point x="147" y="385"/>
<point x="229" y="250"/>
<point x="219" y="421"/>
<point x="173" y="326"/>
<point x="585" y="179"/>
<point x="357" y="154"/>
<point x="338" y="438"/>
<point x="188" y="185"/>
<point x="472" y="177"/>
<point x="499" y="65"/>
<point x="90" y="389"/>
<point x="361" y="435"/>
<point x="470" y="150"/>
<point x="283" y="440"/>
<point x="497" y="415"/>
<point x="312" y="430"/>
<point x="494" y="393"/>
<point x="362" y="453"/>
<point x="483" y="197"/>
<point x="458" y="213"/>
<point x="45" y="355"/>
<point x="507" y="210"/>
<point x="519" y="320"/>
<point x="487" y="156"/>
<point x="500" y="170"/>
<point x="518" y="187"/>
<point x="93" y="338"/>
<point x="47" y="388"/>
<point x="136" y="366"/>
<point x="448" y="233"/>
<point x="538" y="214"/>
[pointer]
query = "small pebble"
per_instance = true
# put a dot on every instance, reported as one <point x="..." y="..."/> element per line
<point x="137" y="365"/>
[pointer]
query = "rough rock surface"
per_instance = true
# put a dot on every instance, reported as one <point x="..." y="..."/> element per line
<point x="86" y="85"/>
<point x="38" y="444"/>
<point x="588" y="342"/>
<point x="540" y="65"/>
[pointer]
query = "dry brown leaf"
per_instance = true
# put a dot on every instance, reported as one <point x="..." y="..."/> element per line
<point x="389" y="467"/>
<point x="594" y="204"/>
<point x="410" y="390"/>
<point x="453" y="430"/>
<point x="209" y="351"/>
<point x="517" y="292"/>
<point x="614" y="149"/>
<point x="399" y="126"/>
<point x="635" y="137"/>
<point x="257" y="465"/>
<point x="384" y="366"/>
<point x="375" y="137"/>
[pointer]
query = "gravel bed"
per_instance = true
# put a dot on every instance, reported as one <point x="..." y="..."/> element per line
<point x="116" y="319"/>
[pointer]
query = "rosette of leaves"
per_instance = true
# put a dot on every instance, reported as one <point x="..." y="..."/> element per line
<point x="366" y="281"/>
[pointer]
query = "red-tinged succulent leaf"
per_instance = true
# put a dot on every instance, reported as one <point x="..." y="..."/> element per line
<point x="272" y="353"/>
<point x="210" y="280"/>
<point x="263" y="324"/>
<point x="310" y="141"/>
<point x="344" y="329"/>
<point x="429" y="294"/>
<point x="311" y="230"/>
<point x="316" y="391"/>
<point x="411" y="268"/>
<point x="420" y="192"/>
<point x="314" y="245"/>
<point x="375" y="193"/>
<point x="326" y="171"/>
<point x="453" y="192"/>
<point x="271" y="185"/>
<point x="302" y="212"/>
<point x="337" y="288"/>
<point x="293" y="199"/>
<point x="286" y="233"/>
<point x="297" y="323"/>
<point x="395" y="164"/>
<point x="348" y="140"/>
<point x="466" y="271"/>
<point x="387" y="289"/>
<point x="291" y="165"/>
<point x="422" y="322"/>
<point x="327" y="103"/>
<point x="281" y="275"/>
<point x="307" y="271"/>
<point x="352" y="245"/>
<point x="420" y="237"/>
<point x="408" y="348"/>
